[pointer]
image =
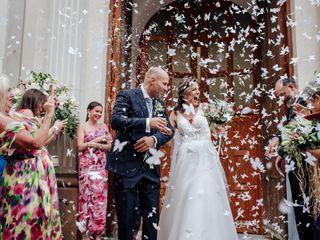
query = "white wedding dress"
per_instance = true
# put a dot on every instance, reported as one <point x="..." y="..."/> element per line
<point x="196" y="203"/>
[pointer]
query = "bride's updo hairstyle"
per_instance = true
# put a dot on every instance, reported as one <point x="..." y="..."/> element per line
<point x="184" y="89"/>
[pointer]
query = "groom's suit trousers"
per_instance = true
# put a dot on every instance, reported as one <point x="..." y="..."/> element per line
<point x="137" y="197"/>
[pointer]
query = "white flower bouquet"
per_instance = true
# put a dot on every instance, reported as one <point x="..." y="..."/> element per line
<point x="218" y="111"/>
<point x="298" y="135"/>
<point x="68" y="107"/>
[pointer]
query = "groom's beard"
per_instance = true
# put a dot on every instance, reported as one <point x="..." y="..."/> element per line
<point x="290" y="100"/>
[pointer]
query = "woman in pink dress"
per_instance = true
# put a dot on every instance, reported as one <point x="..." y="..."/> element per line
<point x="93" y="140"/>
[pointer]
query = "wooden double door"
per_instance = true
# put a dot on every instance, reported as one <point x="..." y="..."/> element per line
<point x="214" y="43"/>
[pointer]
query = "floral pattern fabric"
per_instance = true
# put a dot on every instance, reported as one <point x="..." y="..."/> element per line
<point x="29" y="206"/>
<point x="93" y="186"/>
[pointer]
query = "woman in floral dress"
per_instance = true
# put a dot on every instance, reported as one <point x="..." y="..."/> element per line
<point x="28" y="192"/>
<point x="93" y="140"/>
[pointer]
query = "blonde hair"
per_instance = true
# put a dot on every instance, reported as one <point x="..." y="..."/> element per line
<point x="4" y="86"/>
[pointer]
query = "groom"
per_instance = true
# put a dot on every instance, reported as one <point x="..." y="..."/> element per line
<point x="141" y="123"/>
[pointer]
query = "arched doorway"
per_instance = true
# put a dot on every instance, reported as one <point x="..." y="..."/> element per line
<point x="273" y="36"/>
<point x="216" y="43"/>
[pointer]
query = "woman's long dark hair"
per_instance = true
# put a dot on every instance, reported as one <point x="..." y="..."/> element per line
<point x="91" y="106"/>
<point x="182" y="91"/>
<point x="32" y="99"/>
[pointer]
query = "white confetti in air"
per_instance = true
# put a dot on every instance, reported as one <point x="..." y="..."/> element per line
<point x="257" y="164"/>
<point x="156" y="226"/>
<point x="171" y="52"/>
<point x="155" y="158"/>
<point x="189" y="109"/>
<point x="74" y="51"/>
<point x="69" y="152"/>
<point x="246" y="110"/>
<point x="118" y="146"/>
<point x="311" y="159"/>
<point x="81" y="226"/>
<point x="95" y="175"/>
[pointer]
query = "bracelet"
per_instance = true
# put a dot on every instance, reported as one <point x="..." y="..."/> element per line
<point x="100" y="146"/>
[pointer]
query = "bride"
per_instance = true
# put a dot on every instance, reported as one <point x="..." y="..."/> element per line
<point x="196" y="202"/>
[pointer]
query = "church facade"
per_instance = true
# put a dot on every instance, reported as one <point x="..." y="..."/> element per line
<point x="235" y="49"/>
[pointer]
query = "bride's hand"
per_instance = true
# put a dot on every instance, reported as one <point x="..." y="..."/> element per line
<point x="221" y="130"/>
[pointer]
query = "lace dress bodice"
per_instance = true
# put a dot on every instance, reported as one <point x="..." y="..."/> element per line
<point x="198" y="129"/>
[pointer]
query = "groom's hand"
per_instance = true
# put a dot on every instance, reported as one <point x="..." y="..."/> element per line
<point x="158" y="123"/>
<point x="166" y="131"/>
<point x="143" y="144"/>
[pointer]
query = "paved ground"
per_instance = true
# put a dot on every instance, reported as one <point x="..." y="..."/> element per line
<point x="241" y="237"/>
<point x="252" y="237"/>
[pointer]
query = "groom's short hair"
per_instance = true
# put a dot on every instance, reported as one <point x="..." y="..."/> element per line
<point x="157" y="71"/>
<point x="286" y="81"/>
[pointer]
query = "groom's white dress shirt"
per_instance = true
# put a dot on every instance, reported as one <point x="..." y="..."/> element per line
<point x="150" y="107"/>
<point x="146" y="96"/>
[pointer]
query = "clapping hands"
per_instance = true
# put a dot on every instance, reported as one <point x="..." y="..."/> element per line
<point x="102" y="139"/>
<point x="299" y="109"/>
<point x="59" y="126"/>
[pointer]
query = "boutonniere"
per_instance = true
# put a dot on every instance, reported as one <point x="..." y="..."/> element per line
<point x="158" y="108"/>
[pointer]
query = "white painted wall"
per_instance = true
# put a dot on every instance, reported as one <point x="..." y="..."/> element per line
<point x="35" y="36"/>
<point x="11" y="26"/>
<point x="94" y="51"/>
<point x="306" y="40"/>
<point x="3" y="30"/>
<point x="66" y="38"/>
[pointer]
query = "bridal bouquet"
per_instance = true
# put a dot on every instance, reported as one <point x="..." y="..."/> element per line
<point x="218" y="111"/>
<point x="298" y="135"/>
<point x="67" y="108"/>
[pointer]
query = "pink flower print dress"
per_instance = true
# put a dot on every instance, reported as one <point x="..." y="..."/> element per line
<point x="29" y="205"/>
<point x="93" y="186"/>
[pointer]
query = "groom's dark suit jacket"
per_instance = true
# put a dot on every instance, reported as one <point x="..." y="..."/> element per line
<point x="129" y="120"/>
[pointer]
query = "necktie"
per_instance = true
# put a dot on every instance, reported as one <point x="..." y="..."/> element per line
<point x="149" y="106"/>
